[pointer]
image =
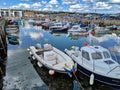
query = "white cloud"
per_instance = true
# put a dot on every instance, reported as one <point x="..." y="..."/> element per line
<point x="115" y="1"/>
<point x="102" y="5"/>
<point x="27" y="6"/>
<point x="21" y="5"/>
<point x="43" y="2"/>
<point x="69" y="1"/>
<point x="48" y="7"/>
<point x="36" y="5"/>
<point x="76" y="7"/>
<point x="35" y="35"/>
<point x="53" y="2"/>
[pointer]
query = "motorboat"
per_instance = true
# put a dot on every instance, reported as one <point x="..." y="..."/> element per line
<point x="10" y="29"/>
<point x="52" y="58"/>
<point x="77" y="30"/>
<point x="13" y="40"/>
<point x="96" y="63"/>
<point x="58" y="27"/>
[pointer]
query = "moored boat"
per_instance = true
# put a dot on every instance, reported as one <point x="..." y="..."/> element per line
<point x="58" y="27"/>
<point x="77" y="30"/>
<point x="52" y="58"/>
<point x="96" y="63"/>
<point x="13" y="39"/>
<point x="10" y="29"/>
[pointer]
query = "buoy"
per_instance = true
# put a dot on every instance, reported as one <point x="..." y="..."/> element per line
<point x="28" y="49"/>
<point x="39" y="64"/>
<point x="72" y="47"/>
<point x="75" y="66"/>
<point x="51" y="72"/>
<point x="92" y="79"/>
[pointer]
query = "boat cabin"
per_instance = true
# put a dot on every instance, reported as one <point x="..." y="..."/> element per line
<point x="95" y="53"/>
<point x="76" y="27"/>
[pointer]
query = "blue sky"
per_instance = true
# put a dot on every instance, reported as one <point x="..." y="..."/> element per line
<point x="98" y="6"/>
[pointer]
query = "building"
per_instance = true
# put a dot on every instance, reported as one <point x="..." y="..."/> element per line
<point x="11" y="13"/>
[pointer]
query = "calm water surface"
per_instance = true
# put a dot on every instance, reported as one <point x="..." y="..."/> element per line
<point x="30" y="35"/>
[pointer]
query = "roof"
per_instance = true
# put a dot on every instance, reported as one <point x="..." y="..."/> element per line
<point x="92" y="49"/>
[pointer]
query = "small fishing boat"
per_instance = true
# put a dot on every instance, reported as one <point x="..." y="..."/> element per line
<point x="58" y="27"/>
<point x="10" y="29"/>
<point x="96" y="63"/>
<point x="13" y="39"/>
<point x="77" y="30"/>
<point x="52" y="58"/>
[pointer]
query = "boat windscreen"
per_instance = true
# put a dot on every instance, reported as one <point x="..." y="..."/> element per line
<point x="97" y="56"/>
<point x="106" y="54"/>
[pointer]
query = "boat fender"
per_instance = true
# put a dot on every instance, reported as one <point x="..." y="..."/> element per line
<point x="75" y="66"/>
<point x="39" y="64"/>
<point x="33" y="57"/>
<point x="28" y="49"/>
<point x="51" y="72"/>
<point x="91" y="79"/>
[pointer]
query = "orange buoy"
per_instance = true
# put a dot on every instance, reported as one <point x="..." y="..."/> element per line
<point x="51" y="72"/>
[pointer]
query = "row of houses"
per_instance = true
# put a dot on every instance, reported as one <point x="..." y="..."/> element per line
<point x="17" y="13"/>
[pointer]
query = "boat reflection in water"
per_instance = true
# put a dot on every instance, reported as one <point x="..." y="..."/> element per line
<point x="56" y="81"/>
<point x="64" y="82"/>
<point x="58" y="33"/>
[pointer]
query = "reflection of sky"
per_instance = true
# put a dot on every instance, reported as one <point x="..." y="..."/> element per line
<point x="108" y="43"/>
<point x="31" y="36"/>
<point x="19" y="72"/>
<point x="33" y="32"/>
<point x="36" y="35"/>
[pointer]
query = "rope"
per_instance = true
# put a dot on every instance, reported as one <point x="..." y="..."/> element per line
<point x="78" y="81"/>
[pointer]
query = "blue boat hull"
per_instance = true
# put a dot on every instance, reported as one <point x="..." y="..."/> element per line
<point x="114" y="83"/>
<point x="59" y="29"/>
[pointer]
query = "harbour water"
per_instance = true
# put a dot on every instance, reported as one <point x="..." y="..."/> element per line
<point x="21" y="74"/>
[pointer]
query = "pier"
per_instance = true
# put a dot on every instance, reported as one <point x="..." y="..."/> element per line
<point x="3" y="50"/>
<point x="3" y="46"/>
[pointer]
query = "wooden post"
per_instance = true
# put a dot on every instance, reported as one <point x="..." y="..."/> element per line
<point x="3" y="44"/>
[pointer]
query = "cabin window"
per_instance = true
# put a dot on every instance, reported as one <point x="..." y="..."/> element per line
<point x="96" y="55"/>
<point x="106" y="54"/>
<point x="85" y="55"/>
<point x="75" y="28"/>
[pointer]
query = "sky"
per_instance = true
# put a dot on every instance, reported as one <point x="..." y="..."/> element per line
<point x="82" y="6"/>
